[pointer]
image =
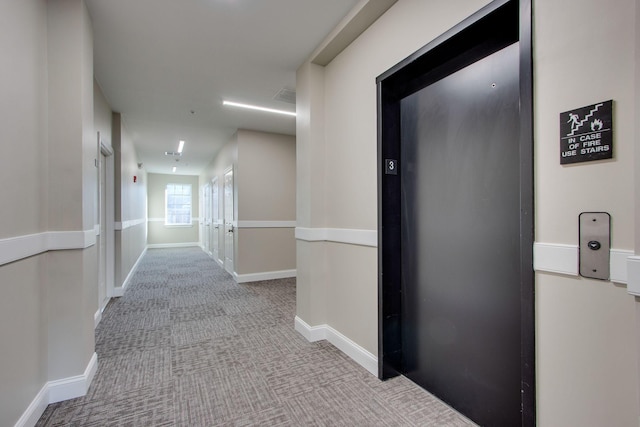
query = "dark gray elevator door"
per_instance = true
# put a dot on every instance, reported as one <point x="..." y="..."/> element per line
<point x="460" y="239"/>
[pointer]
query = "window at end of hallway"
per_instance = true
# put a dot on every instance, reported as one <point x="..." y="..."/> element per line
<point x="177" y="204"/>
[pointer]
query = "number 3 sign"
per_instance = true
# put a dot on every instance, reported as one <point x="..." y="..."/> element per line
<point x="391" y="167"/>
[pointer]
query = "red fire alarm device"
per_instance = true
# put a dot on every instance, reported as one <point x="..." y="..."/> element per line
<point x="135" y="178"/>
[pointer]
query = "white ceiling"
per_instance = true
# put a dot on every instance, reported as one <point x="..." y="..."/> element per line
<point x="158" y="60"/>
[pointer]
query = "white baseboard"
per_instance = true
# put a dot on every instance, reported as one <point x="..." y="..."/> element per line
<point x="311" y="333"/>
<point x="316" y="333"/>
<point x="118" y="291"/>
<point x="35" y="410"/>
<point x="267" y="275"/>
<point x="57" y="391"/>
<point x="97" y="317"/>
<point x="70" y="388"/>
<point x="173" y="245"/>
<point x="216" y="259"/>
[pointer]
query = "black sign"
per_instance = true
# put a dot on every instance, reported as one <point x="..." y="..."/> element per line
<point x="391" y="167"/>
<point x="586" y="133"/>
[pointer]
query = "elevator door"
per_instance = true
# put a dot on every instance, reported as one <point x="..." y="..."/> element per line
<point x="460" y="239"/>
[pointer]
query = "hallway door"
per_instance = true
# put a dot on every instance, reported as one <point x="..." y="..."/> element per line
<point x="106" y="240"/>
<point x="461" y="238"/>
<point x="228" y="221"/>
<point x="206" y="222"/>
<point x="103" y="298"/>
<point x="215" y="219"/>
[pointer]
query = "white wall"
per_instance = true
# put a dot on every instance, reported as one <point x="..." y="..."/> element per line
<point x="586" y="330"/>
<point x="23" y="119"/>
<point x="160" y="234"/>
<point x="23" y="111"/>
<point x="264" y="202"/>
<point x="266" y="188"/>
<point x="266" y="176"/>
<point x="71" y="288"/>
<point x="130" y="205"/>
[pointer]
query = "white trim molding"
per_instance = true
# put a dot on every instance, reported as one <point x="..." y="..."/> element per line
<point x="72" y="387"/>
<point x="565" y="259"/>
<point x="118" y="291"/>
<point x="61" y="240"/>
<point x="267" y="275"/>
<point x="325" y="332"/>
<point x="172" y="245"/>
<point x="57" y="391"/>
<point x="555" y="258"/>
<point x="123" y="225"/>
<point x="20" y="247"/>
<point x="338" y="235"/>
<point x="633" y="270"/>
<point x="266" y="224"/>
<point x="619" y="269"/>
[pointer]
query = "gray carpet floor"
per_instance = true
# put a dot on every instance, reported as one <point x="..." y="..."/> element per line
<point x="187" y="346"/>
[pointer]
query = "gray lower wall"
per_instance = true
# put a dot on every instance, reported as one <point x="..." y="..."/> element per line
<point x="252" y="256"/>
<point x="23" y="371"/>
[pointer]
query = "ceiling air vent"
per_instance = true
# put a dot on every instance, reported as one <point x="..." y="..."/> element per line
<point x="286" y="95"/>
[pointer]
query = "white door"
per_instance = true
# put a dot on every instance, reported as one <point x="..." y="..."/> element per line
<point x="228" y="221"/>
<point x="105" y="211"/>
<point x="102" y="248"/>
<point x="206" y="231"/>
<point x="215" y="220"/>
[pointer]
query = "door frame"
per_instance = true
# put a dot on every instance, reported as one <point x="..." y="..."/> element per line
<point x="215" y="219"/>
<point x="205" y="235"/>
<point x="233" y="221"/>
<point x="495" y="26"/>
<point x="107" y="151"/>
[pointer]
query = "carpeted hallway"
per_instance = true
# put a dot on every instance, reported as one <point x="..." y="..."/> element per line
<point x="187" y="346"/>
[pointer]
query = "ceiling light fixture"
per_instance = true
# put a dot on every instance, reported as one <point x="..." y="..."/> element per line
<point x="255" y="107"/>
<point x="180" y="146"/>
<point x="174" y="168"/>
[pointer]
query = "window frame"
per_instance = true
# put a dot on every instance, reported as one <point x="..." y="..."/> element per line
<point x="173" y="214"/>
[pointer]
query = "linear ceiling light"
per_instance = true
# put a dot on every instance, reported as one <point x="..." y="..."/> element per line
<point x="255" y="107"/>
<point x="180" y="146"/>
<point x="174" y="168"/>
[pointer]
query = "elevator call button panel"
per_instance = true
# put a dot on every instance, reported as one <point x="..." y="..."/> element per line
<point x="595" y="244"/>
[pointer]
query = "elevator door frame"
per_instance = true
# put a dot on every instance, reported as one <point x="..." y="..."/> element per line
<point x="497" y="25"/>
